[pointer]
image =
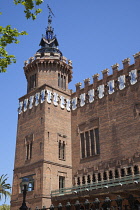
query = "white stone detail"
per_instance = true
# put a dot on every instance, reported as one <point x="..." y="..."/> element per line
<point x="74" y="103"/>
<point x="55" y="99"/>
<point x="42" y="95"/>
<point x="49" y="96"/>
<point x="133" y="75"/>
<point x="20" y="107"/>
<point x="31" y="100"/>
<point x="62" y="102"/>
<point x="91" y="95"/>
<point x="82" y="99"/>
<point x="111" y="86"/>
<point x="68" y="105"/>
<point x="37" y="95"/>
<point x="101" y="91"/>
<point x="25" y="104"/>
<point x="121" y="80"/>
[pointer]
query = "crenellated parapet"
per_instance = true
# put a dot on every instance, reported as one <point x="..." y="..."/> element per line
<point x="109" y="84"/>
<point x="46" y="61"/>
<point x="44" y="95"/>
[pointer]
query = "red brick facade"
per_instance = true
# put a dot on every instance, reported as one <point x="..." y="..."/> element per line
<point x="94" y="139"/>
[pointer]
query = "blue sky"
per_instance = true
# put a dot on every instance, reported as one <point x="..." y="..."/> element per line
<point x="94" y="34"/>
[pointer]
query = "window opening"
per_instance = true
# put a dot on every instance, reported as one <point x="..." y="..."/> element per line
<point x="110" y="175"/>
<point x="99" y="177"/>
<point x="88" y="179"/>
<point x="61" y="183"/>
<point x="136" y="170"/>
<point x="94" y="178"/>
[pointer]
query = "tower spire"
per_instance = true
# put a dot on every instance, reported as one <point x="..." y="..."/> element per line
<point x="49" y="42"/>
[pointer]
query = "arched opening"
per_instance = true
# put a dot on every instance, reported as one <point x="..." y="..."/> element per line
<point x="116" y="174"/>
<point x="105" y="175"/>
<point x="110" y="175"/>
<point x="136" y="170"/>
<point x="88" y="179"/>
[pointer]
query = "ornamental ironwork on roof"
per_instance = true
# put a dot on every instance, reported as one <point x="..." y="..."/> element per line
<point x="49" y="41"/>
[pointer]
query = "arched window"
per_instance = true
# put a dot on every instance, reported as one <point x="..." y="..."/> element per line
<point x="136" y="170"/>
<point x="104" y="176"/>
<point x="93" y="178"/>
<point x="83" y="180"/>
<point x="88" y="179"/>
<point x="78" y="181"/>
<point x="110" y="175"/>
<point x="122" y="172"/>
<point x="129" y="171"/>
<point x="116" y="174"/>
<point x="99" y="177"/>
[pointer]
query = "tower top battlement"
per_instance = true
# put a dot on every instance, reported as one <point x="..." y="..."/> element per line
<point x="116" y="72"/>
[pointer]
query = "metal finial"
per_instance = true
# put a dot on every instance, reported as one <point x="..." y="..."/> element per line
<point x="50" y="16"/>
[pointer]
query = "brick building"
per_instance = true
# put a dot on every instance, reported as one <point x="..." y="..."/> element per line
<point x="76" y="145"/>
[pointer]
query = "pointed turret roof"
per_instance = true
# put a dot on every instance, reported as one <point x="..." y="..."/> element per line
<point x="49" y="41"/>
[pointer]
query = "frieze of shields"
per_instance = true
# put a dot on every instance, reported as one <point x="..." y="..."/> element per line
<point x="65" y="103"/>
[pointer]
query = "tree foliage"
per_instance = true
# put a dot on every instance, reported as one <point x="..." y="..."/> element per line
<point x="30" y="7"/>
<point x="9" y="35"/>
<point x="5" y="207"/>
<point x="4" y="187"/>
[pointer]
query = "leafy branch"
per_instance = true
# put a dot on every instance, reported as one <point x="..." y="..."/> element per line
<point x="30" y="7"/>
<point x="9" y="35"/>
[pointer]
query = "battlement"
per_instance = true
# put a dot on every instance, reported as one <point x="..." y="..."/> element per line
<point x="47" y="56"/>
<point x="118" y="80"/>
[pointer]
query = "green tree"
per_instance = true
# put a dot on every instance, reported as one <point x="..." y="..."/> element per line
<point x="5" y="207"/>
<point x="4" y="187"/>
<point x="9" y="35"/>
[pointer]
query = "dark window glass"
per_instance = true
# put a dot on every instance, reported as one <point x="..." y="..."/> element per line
<point x="129" y="172"/>
<point x="122" y="172"/>
<point x="97" y="141"/>
<point x="105" y="176"/>
<point x="59" y="80"/>
<point x="87" y="144"/>
<point x="61" y="182"/>
<point x="82" y="145"/>
<point x="110" y="175"/>
<point x="27" y="148"/>
<point x="83" y="180"/>
<point x="99" y="177"/>
<point x="94" y="178"/>
<point x="88" y="179"/>
<point x="64" y="82"/>
<point x="61" y="150"/>
<point x="78" y="181"/>
<point x="116" y="174"/>
<point x="92" y="142"/>
<point x="136" y="170"/>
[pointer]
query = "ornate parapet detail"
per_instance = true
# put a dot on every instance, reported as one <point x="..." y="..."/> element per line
<point x="70" y="62"/>
<point x="64" y="59"/>
<point x="26" y="63"/>
<point x="37" y="55"/>
<point x="136" y="55"/>
<point x="86" y="82"/>
<point x="115" y="67"/>
<point x="95" y="77"/>
<point x="137" y="59"/>
<point x="105" y="73"/>
<point x="126" y="62"/>
<point x="78" y="85"/>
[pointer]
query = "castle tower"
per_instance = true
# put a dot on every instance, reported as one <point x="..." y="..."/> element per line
<point x="43" y="145"/>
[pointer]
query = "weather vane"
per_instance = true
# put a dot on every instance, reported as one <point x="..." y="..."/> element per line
<point x="50" y="11"/>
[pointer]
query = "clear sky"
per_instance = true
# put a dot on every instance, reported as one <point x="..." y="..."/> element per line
<point x="94" y="34"/>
